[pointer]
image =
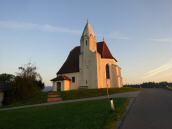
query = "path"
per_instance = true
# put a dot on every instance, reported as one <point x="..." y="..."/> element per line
<point x="152" y="109"/>
<point x="126" y="94"/>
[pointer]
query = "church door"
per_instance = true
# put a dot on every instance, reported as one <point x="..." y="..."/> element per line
<point x="58" y="86"/>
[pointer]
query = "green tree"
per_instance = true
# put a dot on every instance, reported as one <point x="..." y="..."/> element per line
<point x="29" y="71"/>
<point x="6" y="83"/>
<point x="27" y="84"/>
<point x="6" y="79"/>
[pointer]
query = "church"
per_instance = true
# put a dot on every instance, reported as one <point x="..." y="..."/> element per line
<point x="88" y="66"/>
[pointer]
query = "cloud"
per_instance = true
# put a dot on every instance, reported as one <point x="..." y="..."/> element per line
<point x="158" y="70"/>
<point x="38" y="27"/>
<point x="162" y="40"/>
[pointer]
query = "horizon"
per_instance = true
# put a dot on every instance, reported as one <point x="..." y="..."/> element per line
<point x="138" y="34"/>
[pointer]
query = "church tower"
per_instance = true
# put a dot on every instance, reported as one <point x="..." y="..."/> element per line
<point x="88" y="39"/>
<point x="88" y="61"/>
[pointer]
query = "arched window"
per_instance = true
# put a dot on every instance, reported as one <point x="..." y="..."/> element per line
<point x="107" y="72"/>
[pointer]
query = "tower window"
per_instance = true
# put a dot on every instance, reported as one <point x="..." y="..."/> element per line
<point x="73" y="79"/>
<point x="86" y="42"/>
<point x="107" y="72"/>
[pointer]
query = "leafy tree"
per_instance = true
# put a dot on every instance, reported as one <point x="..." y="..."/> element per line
<point x="29" y="71"/>
<point x="6" y="83"/>
<point x="6" y="79"/>
<point x="27" y="84"/>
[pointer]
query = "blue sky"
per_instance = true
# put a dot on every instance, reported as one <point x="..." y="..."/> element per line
<point x="138" y="33"/>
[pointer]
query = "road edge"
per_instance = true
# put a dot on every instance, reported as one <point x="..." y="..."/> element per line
<point x="121" y="121"/>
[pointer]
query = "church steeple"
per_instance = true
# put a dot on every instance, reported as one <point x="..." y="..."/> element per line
<point x="88" y="30"/>
<point x="88" y="39"/>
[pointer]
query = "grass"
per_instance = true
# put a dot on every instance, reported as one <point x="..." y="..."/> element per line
<point x="39" y="98"/>
<point x="80" y="115"/>
<point x="72" y="94"/>
<point x="169" y="88"/>
<point x="86" y="93"/>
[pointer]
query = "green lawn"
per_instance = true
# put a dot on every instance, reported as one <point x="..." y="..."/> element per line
<point x="39" y="98"/>
<point x="72" y="94"/>
<point x="80" y="115"/>
<point x="169" y="88"/>
<point x="86" y="93"/>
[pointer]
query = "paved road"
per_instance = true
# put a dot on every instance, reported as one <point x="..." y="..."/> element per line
<point x="127" y="94"/>
<point x="152" y="109"/>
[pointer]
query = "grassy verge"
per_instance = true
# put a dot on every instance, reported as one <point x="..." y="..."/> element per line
<point x="78" y="94"/>
<point x="169" y="88"/>
<point x="39" y="98"/>
<point x="80" y="115"/>
<point x="72" y="94"/>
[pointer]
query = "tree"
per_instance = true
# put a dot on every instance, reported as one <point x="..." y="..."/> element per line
<point x="29" y="71"/>
<point x="6" y="83"/>
<point x="6" y="79"/>
<point x="27" y="84"/>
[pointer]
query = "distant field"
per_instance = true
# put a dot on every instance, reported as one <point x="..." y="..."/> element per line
<point x="80" y="115"/>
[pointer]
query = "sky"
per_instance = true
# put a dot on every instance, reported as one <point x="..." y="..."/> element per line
<point x="138" y="33"/>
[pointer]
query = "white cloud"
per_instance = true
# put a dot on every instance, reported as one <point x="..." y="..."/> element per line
<point x="31" y="26"/>
<point x="159" y="70"/>
<point x="165" y="40"/>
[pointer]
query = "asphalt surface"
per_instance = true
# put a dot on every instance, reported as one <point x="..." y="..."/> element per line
<point x="152" y="109"/>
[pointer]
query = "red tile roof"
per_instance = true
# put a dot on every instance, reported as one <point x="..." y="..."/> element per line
<point x="103" y="49"/>
<point x="71" y="65"/>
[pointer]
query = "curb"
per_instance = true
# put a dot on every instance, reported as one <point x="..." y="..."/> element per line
<point x="120" y="122"/>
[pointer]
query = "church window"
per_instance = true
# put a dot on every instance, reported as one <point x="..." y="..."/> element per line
<point x="107" y="72"/>
<point x="86" y="42"/>
<point x="86" y="82"/>
<point x="73" y="79"/>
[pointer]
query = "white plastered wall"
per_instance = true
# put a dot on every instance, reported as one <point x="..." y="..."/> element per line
<point x="76" y="84"/>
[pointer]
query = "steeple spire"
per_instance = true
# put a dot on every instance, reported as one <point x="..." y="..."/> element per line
<point x="103" y="38"/>
<point x="88" y="39"/>
<point x="88" y="30"/>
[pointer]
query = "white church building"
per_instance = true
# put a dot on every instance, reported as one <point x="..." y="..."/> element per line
<point x="90" y="65"/>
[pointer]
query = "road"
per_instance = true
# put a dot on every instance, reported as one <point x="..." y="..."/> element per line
<point x="152" y="109"/>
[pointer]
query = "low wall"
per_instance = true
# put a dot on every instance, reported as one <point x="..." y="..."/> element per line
<point x="1" y="97"/>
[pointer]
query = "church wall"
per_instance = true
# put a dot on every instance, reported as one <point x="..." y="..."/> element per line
<point x="76" y="84"/>
<point x="54" y="86"/>
<point x="115" y="73"/>
<point x="67" y="85"/>
<point x="92" y="75"/>
<point x="117" y="76"/>
<point x="89" y="70"/>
